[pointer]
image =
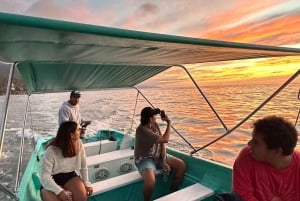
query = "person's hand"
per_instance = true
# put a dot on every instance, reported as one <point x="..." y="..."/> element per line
<point x="65" y="195"/>
<point x="166" y="119"/>
<point x="87" y="122"/>
<point x="166" y="167"/>
<point x="89" y="191"/>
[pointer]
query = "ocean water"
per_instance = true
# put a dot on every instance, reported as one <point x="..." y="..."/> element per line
<point x="119" y="109"/>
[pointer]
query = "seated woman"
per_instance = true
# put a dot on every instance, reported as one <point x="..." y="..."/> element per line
<point x="65" y="155"/>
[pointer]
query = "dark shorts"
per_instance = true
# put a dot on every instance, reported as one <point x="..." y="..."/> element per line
<point x="62" y="178"/>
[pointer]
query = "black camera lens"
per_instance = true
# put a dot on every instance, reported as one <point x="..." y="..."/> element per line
<point x="162" y="114"/>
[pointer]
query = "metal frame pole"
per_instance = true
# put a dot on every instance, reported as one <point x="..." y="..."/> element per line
<point x="203" y="95"/>
<point x="171" y="125"/>
<point x="253" y="112"/>
<point x="6" y="101"/>
<point x="20" y="161"/>
<point x="299" y="110"/>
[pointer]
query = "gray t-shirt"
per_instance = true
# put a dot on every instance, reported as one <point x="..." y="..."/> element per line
<point x="69" y="112"/>
<point x="145" y="142"/>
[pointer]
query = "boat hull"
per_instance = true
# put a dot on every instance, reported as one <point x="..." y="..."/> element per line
<point x="206" y="172"/>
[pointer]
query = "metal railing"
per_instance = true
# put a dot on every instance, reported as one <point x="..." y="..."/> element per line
<point x="7" y="192"/>
<point x="252" y="113"/>
<point x="7" y="96"/>
<point x="3" y="124"/>
<point x="20" y="161"/>
<point x="299" y="110"/>
<point x="228" y="131"/>
<point x="174" y="129"/>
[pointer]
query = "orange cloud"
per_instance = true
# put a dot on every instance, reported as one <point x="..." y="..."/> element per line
<point x="279" y="30"/>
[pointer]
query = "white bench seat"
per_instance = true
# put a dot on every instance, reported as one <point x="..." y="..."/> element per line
<point x="109" y="156"/>
<point x="194" y="192"/>
<point x="116" y="182"/>
<point x="93" y="148"/>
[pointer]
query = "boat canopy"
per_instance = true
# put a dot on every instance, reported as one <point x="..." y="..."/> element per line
<point x="54" y="55"/>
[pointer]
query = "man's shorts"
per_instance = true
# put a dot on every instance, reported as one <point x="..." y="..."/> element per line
<point x="143" y="163"/>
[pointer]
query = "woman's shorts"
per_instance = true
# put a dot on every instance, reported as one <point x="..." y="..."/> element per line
<point x="62" y="178"/>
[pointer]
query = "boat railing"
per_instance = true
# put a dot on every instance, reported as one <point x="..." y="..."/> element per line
<point x="6" y="101"/>
<point x="299" y="110"/>
<point x="3" y="124"/>
<point x="174" y="129"/>
<point x="8" y="192"/>
<point x="201" y="93"/>
<point x="204" y="96"/>
<point x="21" y="151"/>
<point x="285" y="84"/>
<point x="228" y="131"/>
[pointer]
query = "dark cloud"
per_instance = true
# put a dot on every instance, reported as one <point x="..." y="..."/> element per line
<point x="148" y="9"/>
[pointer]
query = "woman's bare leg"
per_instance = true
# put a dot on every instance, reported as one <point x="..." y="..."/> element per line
<point x="49" y="195"/>
<point x="77" y="187"/>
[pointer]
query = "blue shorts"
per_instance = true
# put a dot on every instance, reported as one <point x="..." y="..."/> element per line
<point x="148" y="163"/>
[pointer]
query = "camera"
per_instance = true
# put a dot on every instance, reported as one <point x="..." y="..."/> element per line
<point x="162" y="114"/>
<point x="83" y="125"/>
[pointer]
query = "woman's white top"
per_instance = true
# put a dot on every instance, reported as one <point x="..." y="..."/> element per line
<point x="54" y="162"/>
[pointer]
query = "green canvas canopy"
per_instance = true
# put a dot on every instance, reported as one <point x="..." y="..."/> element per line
<point x="55" y="55"/>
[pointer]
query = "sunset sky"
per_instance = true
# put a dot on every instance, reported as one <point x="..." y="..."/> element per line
<point x="267" y="22"/>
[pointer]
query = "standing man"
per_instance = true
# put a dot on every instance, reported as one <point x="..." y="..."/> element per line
<point x="268" y="169"/>
<point x="150" y="152"/>
<point x="70" y="111"/>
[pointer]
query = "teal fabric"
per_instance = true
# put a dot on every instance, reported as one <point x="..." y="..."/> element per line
<point x="67" y="76"/>
<point x="57" y="55"/>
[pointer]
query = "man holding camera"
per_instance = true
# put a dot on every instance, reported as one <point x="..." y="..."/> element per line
<point x="150" y="152"/>
<point x="69" y="111"/>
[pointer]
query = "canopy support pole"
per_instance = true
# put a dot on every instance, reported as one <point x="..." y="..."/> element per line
<point x="203" y="95"/>
<point x="171" y="125"/>
<point x="6" y="101"/>
<point x="299" y="110"/>
<point x="136" y="100"/>
<point x="8" y="192"/>
<point x="20" y="161"/>
<point x="253" y="112"/>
